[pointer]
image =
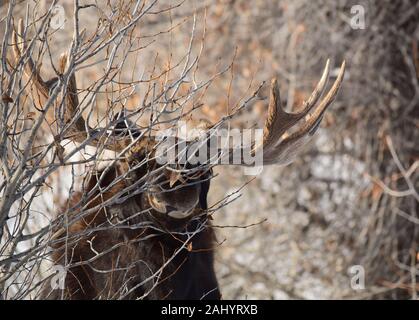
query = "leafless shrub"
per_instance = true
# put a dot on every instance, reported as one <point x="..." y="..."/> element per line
<point x="352" y="200"/>
<point x="37" y="153"/>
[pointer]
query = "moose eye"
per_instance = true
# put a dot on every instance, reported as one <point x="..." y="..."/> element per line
<point x="156" y="200"/>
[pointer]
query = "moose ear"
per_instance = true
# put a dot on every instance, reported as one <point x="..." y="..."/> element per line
<point x="125" y="126"/>
<point x="205" y="185"/>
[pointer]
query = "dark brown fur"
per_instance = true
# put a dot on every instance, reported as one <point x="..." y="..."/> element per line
<point x="135" y="255"/>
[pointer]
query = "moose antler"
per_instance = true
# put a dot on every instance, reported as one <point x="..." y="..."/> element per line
<point x="78" y="130"/>
<point x="282" y="151"/>
<point x="279" y="147"/>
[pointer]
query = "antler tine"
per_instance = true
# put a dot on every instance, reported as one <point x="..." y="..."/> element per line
<point x="278" y="121"/>
<point x="72" y="104"/>
<point x="289" y="147"/>
<point x="41" y="91"/>
<point x="318" y="91"/>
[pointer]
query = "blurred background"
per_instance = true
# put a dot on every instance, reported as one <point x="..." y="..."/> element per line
<point x="342" y="221"/>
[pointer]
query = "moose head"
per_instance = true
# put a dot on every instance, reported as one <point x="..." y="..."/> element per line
<point x="170" y="195"/>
